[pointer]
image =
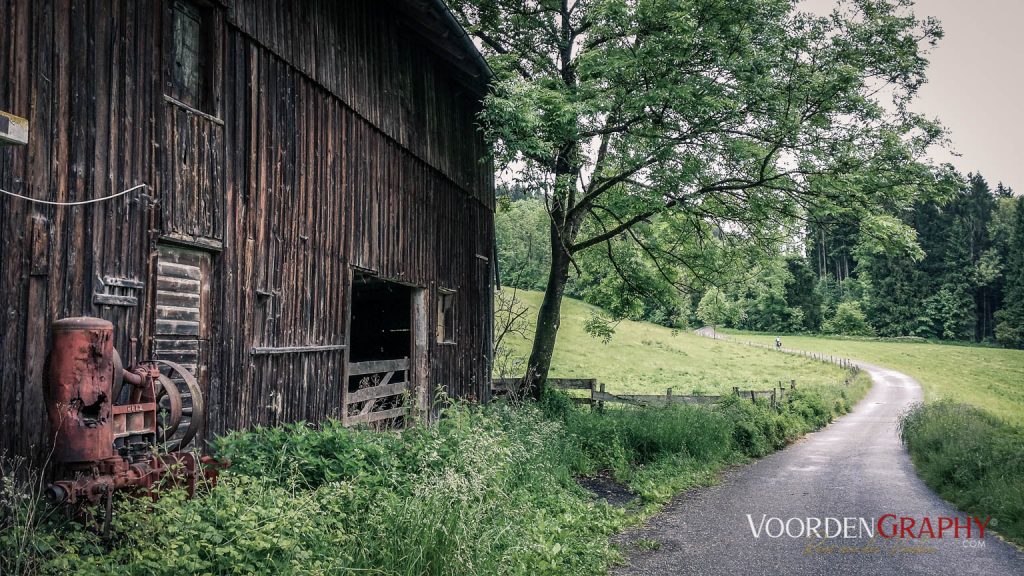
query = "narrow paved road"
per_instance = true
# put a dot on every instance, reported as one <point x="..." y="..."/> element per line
<point x="855" y="467"/>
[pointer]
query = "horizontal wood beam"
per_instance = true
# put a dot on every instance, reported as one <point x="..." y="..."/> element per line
<point x="560" y="383"/>
<point x="375" y="416"/>
<point x="265" y="350"/>
<point x="644" y="399"/>
<point x="115" y="300"/>
<point x="13" y="129"/>
<point x="382" y="391"/>
<point x="377" y="366"/>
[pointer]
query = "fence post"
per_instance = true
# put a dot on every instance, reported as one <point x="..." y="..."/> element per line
<point x="736" y="390"/>
<point x="792" y="384"/>
<point x="600" y="403"/>
<point x="753" y="398"/>
<point x="668" y="396"/>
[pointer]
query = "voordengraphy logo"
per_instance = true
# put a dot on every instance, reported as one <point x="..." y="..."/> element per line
<point x="887" y="526"/>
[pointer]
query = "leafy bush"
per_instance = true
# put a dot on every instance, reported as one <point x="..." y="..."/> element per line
<point x="488" y="491"/>
<point x="848" y="320"/>
<point x="484" y="490"/>
<point x="623" y="439"/>
<point x="971" y="458"/>
<point x="760" y="429"/>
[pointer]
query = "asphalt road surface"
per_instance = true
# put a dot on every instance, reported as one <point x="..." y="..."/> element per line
<point x="856" y="468"/>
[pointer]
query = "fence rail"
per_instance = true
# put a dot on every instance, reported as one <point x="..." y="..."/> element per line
<point x="385" y="381"/>
<point x="598" y="396"/>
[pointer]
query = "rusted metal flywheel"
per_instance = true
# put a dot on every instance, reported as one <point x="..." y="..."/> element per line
<point x="171" y="411"/>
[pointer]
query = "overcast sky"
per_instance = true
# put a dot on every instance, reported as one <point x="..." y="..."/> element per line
<point x="976" y="84"/>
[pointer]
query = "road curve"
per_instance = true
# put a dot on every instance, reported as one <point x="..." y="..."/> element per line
<point x="856" y="467"/>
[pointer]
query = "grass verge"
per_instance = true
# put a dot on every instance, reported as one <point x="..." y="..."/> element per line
<point x="971" y="458"/>
<point x="485" y="490"/>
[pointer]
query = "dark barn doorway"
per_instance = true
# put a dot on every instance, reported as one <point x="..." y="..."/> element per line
<point x="381" y="320"/>
<point x="383" y="342"/>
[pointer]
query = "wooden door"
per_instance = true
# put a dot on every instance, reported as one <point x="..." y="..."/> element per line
<point x="181" y="319"/>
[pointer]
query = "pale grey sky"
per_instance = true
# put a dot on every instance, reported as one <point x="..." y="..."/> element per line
<point x="976" y="84"/>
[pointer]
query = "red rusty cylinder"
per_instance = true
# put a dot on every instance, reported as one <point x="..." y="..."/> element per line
<point x="79" y="376"/>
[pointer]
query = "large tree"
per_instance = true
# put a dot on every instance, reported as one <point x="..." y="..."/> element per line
<point x="709" y="115"/>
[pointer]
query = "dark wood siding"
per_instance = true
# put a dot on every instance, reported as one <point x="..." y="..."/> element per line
<point x="347" y="146"/>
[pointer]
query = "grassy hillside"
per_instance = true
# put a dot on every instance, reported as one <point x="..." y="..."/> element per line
<point x="989" y="378"/>
<point x="644" y="358"/>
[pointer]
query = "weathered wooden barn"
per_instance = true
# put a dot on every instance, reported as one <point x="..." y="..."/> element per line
<point x="311" y="203"/>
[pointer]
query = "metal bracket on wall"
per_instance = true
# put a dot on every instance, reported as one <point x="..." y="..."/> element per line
<point x="118" y="291"/>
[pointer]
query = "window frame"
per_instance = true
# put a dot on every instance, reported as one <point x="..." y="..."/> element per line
<point x="207" y="100"/>
<point x="446" y="317"/>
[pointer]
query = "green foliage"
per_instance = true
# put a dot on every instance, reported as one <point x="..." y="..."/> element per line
<point x="622" y="439"/>
<point x="715" y="309"/>
<point x="760" y="429"/>
<point x="623" y="280"/>
<point x="802" y="292"/>
<point x="951" y="312"/>
<point x="521" y="228"/>
<point x="954" y="285"/>
<point x="892" y="297"/>
<point x="652" y="128"/>
<point x="647" y="447"/>
<point x="761" y="301"/>
<point x="599" y="327"/>
<point x="848" y="320"/>
<point x="972" y="459"/>
<point x="1010" y="326"/>
<point x="484" y="490"/>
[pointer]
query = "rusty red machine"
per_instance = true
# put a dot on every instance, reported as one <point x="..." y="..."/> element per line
<point x="115" y="427"/>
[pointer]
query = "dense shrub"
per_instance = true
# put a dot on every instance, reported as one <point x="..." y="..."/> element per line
<point x="624" y="438"/>
<point x="849" y="320"/>
<point x="484" y="490"/>
<point x="759" y="428"/>
<point x="971" y="458"/>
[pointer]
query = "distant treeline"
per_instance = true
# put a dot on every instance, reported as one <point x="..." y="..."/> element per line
<point x="966" y="282"/>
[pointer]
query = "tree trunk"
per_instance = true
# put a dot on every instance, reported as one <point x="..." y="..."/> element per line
<point x="548" y="318"/>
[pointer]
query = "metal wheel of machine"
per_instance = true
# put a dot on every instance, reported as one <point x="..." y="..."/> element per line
<point x="168" y="401"/>
<point x="192" y="408"/>
<point x="118" y="381"/>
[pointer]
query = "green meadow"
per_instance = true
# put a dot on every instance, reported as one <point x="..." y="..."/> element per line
<point x="645" y="358"/>
<point x="988" y="378"/>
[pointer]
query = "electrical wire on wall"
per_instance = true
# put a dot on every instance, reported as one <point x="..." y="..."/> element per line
<point x="78" y="203"/>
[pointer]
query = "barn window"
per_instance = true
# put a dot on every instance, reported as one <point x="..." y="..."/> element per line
<point x="192" y="54"/>
<point x="446" y="317"/>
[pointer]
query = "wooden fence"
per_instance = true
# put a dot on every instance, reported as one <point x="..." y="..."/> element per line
<point x="388" y="379"/>
<point x="597" y="395"/>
